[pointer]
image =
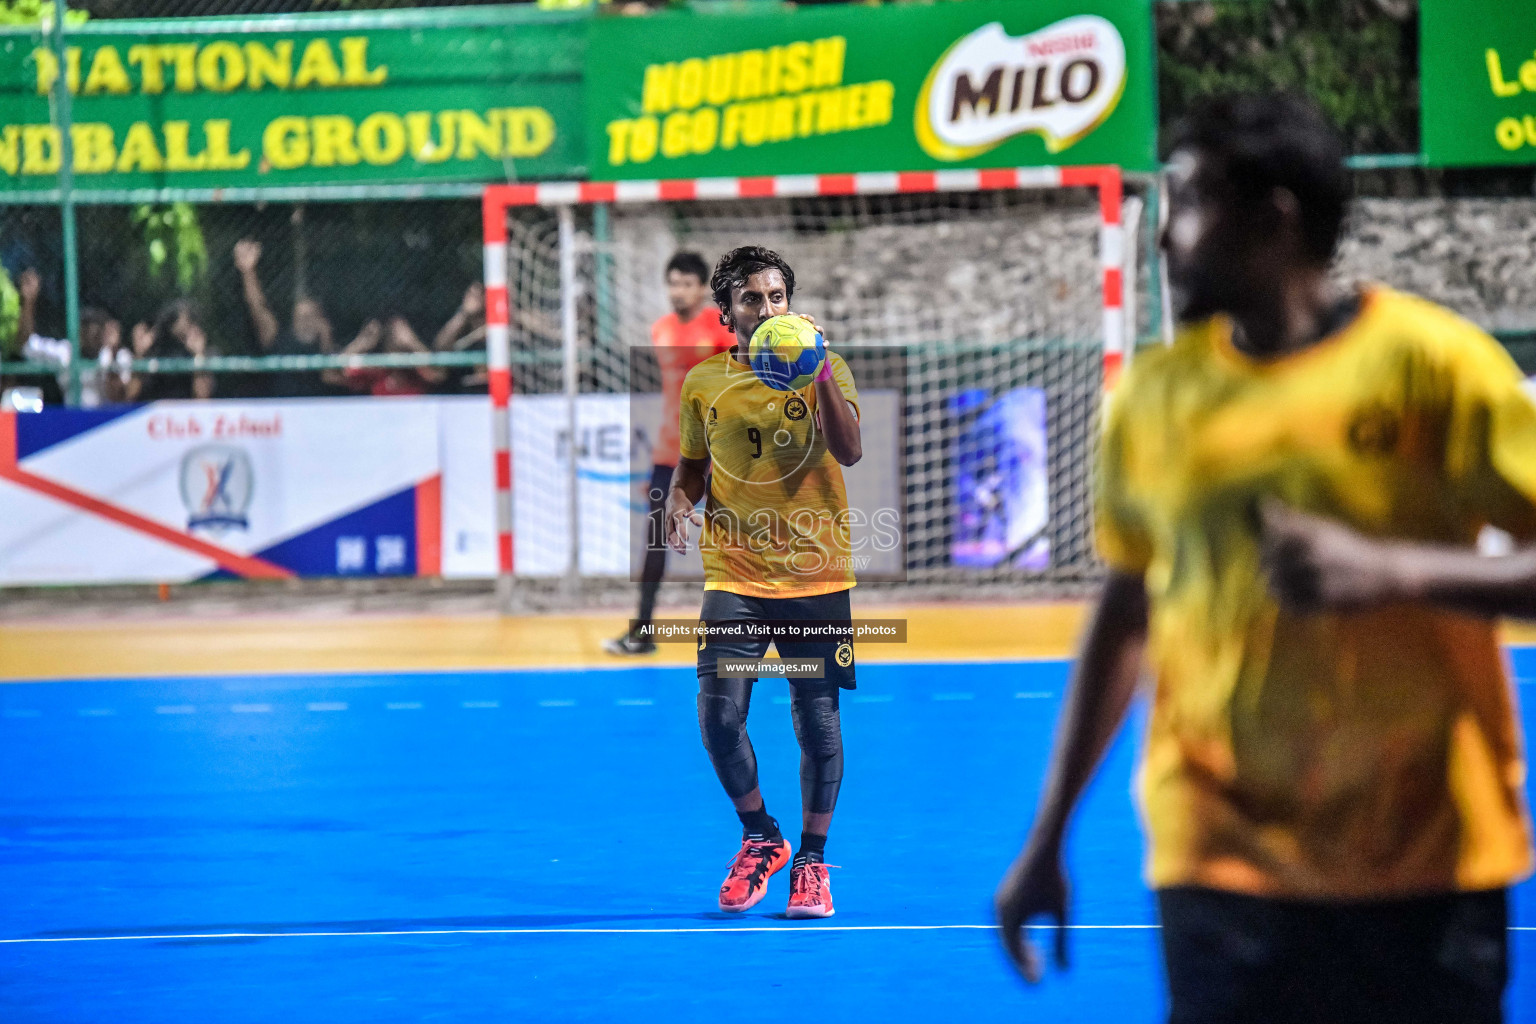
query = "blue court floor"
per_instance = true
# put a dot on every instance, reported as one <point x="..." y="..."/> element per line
<point x="542" y="846"/>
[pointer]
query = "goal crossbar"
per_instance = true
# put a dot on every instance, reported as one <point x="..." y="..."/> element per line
<point x="498" y="199"/>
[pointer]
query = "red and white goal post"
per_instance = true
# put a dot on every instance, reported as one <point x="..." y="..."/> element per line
<point x="499" y="199"/>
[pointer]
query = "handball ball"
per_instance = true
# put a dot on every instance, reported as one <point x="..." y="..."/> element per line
<point x="787" y="352"/>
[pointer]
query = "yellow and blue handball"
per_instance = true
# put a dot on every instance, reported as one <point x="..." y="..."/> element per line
<point x="787" y="352"/>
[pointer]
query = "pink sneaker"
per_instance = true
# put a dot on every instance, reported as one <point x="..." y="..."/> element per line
<point x="810" y="891"/>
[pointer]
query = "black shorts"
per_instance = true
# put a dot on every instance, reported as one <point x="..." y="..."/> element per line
<point x="1431" y="960"/>
<point x="720" y="606"/>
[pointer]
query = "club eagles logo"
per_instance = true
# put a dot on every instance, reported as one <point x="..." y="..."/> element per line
<point x="216" y="486"/>
<point x="1061" y="83"/>
<point x="795" y="408"/>
<point x="844" y="654"/>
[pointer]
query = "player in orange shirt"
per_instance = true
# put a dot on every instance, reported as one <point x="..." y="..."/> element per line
<point x="1288" y="499"/>
<point x="692" y="332"/>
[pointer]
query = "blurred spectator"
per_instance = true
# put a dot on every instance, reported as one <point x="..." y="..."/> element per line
<point x="106" y="363"/>
<point x="177" y="334"/>
<point x="308" y="334"/>
<point x="464" y="331"/>
<point x="393" y="334"/>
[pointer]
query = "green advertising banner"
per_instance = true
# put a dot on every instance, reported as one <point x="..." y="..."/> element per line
<point x="470" y="95"/>
<point x="1477" y="66"/>
<point x="992" y="83"/>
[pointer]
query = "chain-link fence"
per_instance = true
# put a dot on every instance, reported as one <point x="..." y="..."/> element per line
<point x="274" y="279"/>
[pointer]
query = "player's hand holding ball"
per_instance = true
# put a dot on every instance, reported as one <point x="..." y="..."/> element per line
<point x="788" y="352"/>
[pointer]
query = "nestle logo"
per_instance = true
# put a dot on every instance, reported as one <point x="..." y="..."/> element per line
<point x="1063" y="44"/>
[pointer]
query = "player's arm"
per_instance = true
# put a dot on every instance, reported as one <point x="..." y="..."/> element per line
<point x="1316" y="564"/>
<point x="836" y="416"/>
<point x="838" y="422"/>
<point x="1098" y="696"/>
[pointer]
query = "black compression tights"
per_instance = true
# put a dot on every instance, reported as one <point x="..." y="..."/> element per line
<point x="723" y="707"/>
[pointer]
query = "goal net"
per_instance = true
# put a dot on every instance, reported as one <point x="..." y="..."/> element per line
<point x="974" y="322"/>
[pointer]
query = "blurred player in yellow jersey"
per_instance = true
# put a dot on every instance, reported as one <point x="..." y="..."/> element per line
<point x="1288" y="499"/>
<point x="691" y="333"/>
<point x="776" y="550"/>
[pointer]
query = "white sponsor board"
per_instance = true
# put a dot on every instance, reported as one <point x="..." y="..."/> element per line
<point x="176" y="491"/>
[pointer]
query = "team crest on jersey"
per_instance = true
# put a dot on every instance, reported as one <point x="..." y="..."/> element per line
<point x="795" y="408"/>
<point x="1374" y="431"/>
<point x="844" y="654"/>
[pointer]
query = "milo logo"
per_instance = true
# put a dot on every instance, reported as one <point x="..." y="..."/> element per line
<point x="1061" y="82"/>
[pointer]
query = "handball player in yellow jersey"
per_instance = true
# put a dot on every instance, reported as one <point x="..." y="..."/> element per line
<point x="1288" y="499"/>
<point x="776" y="551"/>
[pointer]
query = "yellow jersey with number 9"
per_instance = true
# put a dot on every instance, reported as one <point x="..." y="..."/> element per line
<point x="776" y="513"/>
<point x="1366" y="755"/>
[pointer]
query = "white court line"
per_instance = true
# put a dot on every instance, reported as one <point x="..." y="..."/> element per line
<point x="327" y="705"/>
<point x="481" y="704"/>
<point x="97" y="712"/>
<point x="557" y="703"/>
<point x="175" y="709"/>
<point x="250" y="709"/>
<point x="802" y="929"/>
<point x="1031" y="694"/>
<point x="634" y="702"/>
<point x="403" y="705"/>
<point x="573" y="931"/>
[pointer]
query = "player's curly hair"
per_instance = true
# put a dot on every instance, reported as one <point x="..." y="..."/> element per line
<point x="739" y="264"/>
<point x="1263" y="142"/>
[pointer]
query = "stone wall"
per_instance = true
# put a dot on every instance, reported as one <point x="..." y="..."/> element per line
<point x="1028" y="267"/>
<point x="1477" y="256"/>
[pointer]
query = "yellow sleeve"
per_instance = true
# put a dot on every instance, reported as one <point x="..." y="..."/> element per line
<point x="1491" y="444"/>
<point x="692" y="442"/>
<point x="844" y="380"/>
<point x="1119" y="526"/>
